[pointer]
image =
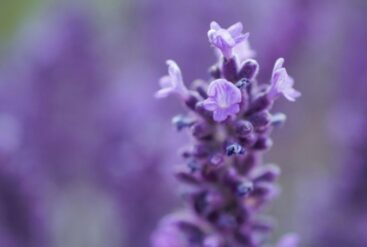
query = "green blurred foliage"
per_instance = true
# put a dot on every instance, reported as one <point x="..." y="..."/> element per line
<point x="13" y="13"/>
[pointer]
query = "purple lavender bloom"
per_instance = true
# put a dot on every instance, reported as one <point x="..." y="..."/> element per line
<point x="226" y="183"/>
<point x="172" y="83"/>
<point x="223" y="100"/>
<point x="226" y="39"/>
<point x="282" y="83"/>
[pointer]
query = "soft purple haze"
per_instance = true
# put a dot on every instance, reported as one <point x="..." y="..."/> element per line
<point x="344" y="209"/>
<point x="91" y="151"/>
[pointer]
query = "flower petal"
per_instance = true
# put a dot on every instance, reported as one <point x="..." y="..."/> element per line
<point x="173" y="82"/>
<point x="236" y="29"/>
<point x="163" y="93"/>
<point x="241" y="38"/>
<point x="210" y="104"/>
<point x="215" y="26"/>
<point x="226" y="39"/>
<point x="165" y="81"/>
<point x="232" y="94"/>
<point x="224" y="93"/>
<point x="278" y="65"/>
<point x="212" y="89"/>
<point x="282" y="83"/>
<point x="220" y="115"/>
<point x="291" y="94"/>
<point x="174" y="72"/>
<point x="233" y="109"/>
<point x="280" y="79"/>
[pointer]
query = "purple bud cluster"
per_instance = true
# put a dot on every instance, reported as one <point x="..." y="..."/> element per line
<point x="226" y="183"/>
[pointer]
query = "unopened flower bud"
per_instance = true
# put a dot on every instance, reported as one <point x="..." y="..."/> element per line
<point x="249" y="69"/>
<point x="191" y="100"/>
<point x="263" y="143"/>
<point x="260" y="120"/>
<point x="214" y="71"/>
<point x="266" y="173"/>
<point x="200" y="86"/>
<point x="201" y="130"/>
<point x="243" y="128"/>
<point x="260" y="104"/>
<point x="230" y="69"/>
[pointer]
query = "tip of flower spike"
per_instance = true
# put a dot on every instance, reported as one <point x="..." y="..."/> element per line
<point x="226" y="39"/>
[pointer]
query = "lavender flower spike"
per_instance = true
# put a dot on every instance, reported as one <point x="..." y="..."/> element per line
<point x="223" y="100"/>
<point x="226" y="39"/>
<point x="226" y="182"/>
<point x="282" y="83"/>
<point x="172" y="83"/>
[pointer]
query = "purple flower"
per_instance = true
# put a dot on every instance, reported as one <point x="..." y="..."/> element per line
<point x="172" y="83"/>
<point x="282" y="83"/>
<point x="224" y="162"/>
<point x="226" y="39"/>
<point x="223" y="100"/>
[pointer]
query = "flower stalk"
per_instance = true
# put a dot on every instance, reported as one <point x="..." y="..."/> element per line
<point x="226" y="183"/>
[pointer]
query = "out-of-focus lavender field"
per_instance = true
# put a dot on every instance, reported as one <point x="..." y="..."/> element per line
<point x="87" y="153"/>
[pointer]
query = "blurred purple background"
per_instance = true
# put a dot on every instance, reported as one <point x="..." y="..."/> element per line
<point x="86" y="152"/>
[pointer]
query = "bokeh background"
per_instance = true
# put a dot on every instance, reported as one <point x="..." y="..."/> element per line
<point x="87" y="153"/>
